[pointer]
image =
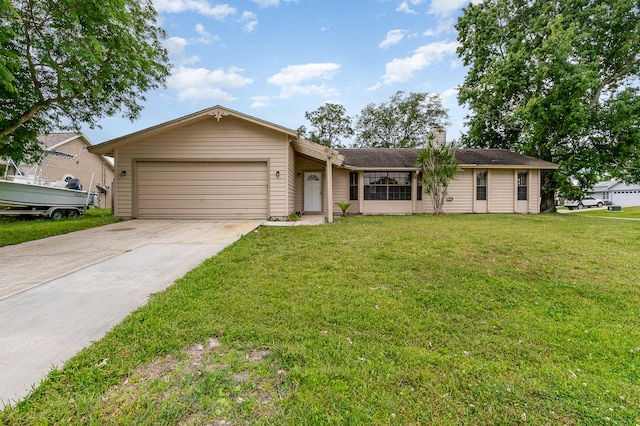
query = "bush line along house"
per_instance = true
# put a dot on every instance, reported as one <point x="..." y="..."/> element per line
<point x="221" y="164"/>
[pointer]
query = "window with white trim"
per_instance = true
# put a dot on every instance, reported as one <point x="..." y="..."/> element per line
<point x="523" y="178"/>
<point x="481" y="186"/>
<point x="392" y="186"/>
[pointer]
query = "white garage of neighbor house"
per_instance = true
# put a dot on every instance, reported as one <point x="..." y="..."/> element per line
<point x="220" y="164"/>
<point x="617" y="193"/>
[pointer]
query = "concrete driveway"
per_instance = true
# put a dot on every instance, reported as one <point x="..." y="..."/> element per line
<point x="59" y="294"/>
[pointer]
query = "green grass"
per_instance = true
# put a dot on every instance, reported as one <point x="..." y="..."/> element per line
<point x="461" y="320"/>
<point x="19" y="230"/>
<point x="626" y="213"/>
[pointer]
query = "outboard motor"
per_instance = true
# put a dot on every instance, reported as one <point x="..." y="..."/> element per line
<point x="74" y="184"/>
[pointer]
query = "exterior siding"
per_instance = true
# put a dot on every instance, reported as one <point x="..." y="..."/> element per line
<point x="461" y="192"/>
<point x="340" y="189"/>
<point x="230" y="139"/>
<point x="502" y="189"/>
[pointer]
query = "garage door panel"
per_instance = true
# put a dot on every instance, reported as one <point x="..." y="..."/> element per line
<point x="202" y="190"/>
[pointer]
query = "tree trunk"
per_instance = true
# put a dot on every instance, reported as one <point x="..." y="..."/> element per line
<point x="547" y="192"/>
<point x="547" y="202"/>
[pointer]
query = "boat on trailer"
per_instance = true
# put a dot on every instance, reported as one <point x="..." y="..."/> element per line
<point x="29" y="194"/>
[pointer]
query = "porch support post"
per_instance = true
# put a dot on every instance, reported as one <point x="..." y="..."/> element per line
<point x="329" y="179"/>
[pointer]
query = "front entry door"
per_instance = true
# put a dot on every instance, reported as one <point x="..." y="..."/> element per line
<point x="312" y="191"/>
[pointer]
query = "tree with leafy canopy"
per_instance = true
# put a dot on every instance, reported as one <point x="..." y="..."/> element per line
<point x="439" y="167"/>
<point x="329" y="123"/>
<point x="68" y="62"/>
<point x="403" y="122"/>
<point x="558" y="80"/>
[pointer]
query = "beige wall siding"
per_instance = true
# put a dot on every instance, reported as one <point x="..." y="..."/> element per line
<point x="230" y="138"/>
<point x="501" y="190"/>
<point x="340" y="188"/>
<point x="461" y="191"/>
<point x="387" y="207"/>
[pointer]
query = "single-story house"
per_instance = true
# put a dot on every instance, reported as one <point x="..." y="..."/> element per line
<point x="617" y="193"/>
<point x="220" y="163"/>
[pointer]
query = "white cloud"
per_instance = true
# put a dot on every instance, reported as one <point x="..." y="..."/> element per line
<point x="292" y="79"/>
<point x="401" y="70"/>
<point x="267" y="3"/>
<point x="271" y="3"/>
<point x="260" y="102"/>
<point x="219" y="11"/>
<point x="201" y="83"/>
<point x="446" y="7"/>
<point x="250" y="21"/>
<point x="404" y="8"/>
<point x="176" y="47"/>
<point x="205" y="37"/>
<point x="449" y="95"/>
<point x="393" y="37"/>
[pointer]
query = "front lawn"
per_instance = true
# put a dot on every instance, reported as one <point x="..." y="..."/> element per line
<point x="19" y="230"/>
<point x="465" y="320"/>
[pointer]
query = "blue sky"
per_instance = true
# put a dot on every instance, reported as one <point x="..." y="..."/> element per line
<point x="276" y="59"/>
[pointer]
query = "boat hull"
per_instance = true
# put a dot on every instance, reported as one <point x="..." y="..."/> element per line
<point x="23" y="195"/>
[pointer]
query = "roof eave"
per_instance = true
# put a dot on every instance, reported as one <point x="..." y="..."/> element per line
<point x="317" y="151"/>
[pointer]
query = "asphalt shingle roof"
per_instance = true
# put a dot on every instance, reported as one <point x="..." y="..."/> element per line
<point x="406" y="158"/>
<point x="53" y="139"/>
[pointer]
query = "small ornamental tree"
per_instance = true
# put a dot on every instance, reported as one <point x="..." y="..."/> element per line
<point x="439" y="167"/>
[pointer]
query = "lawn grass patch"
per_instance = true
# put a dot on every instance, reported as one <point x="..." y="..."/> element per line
<point x="627" y="213"/>
<point x="467" y="319"/>
<point x="20" y="230"/>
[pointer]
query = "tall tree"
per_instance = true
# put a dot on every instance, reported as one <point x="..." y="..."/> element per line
<point x="439" y="167"/>
<point x="71" y="62"/>
<point x="555" y="79"/>
<point x="403" y="122"/>
<point x="329" y="123"/>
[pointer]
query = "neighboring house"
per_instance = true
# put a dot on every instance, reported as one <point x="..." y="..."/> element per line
<point x="219" y="163"/>
<point x="617" y="193"/>
<point x="83" y="166"/>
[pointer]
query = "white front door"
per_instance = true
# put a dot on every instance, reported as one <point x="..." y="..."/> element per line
<point x="312" y="191"/>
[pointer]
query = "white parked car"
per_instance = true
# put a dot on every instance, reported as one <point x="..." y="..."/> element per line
<point x="586" y="202"/>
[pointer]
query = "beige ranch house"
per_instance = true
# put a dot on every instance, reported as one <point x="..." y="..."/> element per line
<point x="222" y="164"/>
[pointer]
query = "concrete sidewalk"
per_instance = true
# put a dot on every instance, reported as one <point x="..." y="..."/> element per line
<point x="59" y="294"/>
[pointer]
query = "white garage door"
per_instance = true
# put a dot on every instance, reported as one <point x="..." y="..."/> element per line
<point x="201" y="190"/>
<point x="626" y="198"/>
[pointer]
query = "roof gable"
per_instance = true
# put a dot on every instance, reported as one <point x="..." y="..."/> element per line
<point x="623" y="186"/>
<point x="217" y="112"/>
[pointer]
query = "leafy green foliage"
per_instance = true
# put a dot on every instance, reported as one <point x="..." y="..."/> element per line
<point x="74" y="62"/>
<point x="439" y="167"/>
<point x="403" y="122"/>
<point x="329" y="124"/>
<point x="555" y="80"/>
